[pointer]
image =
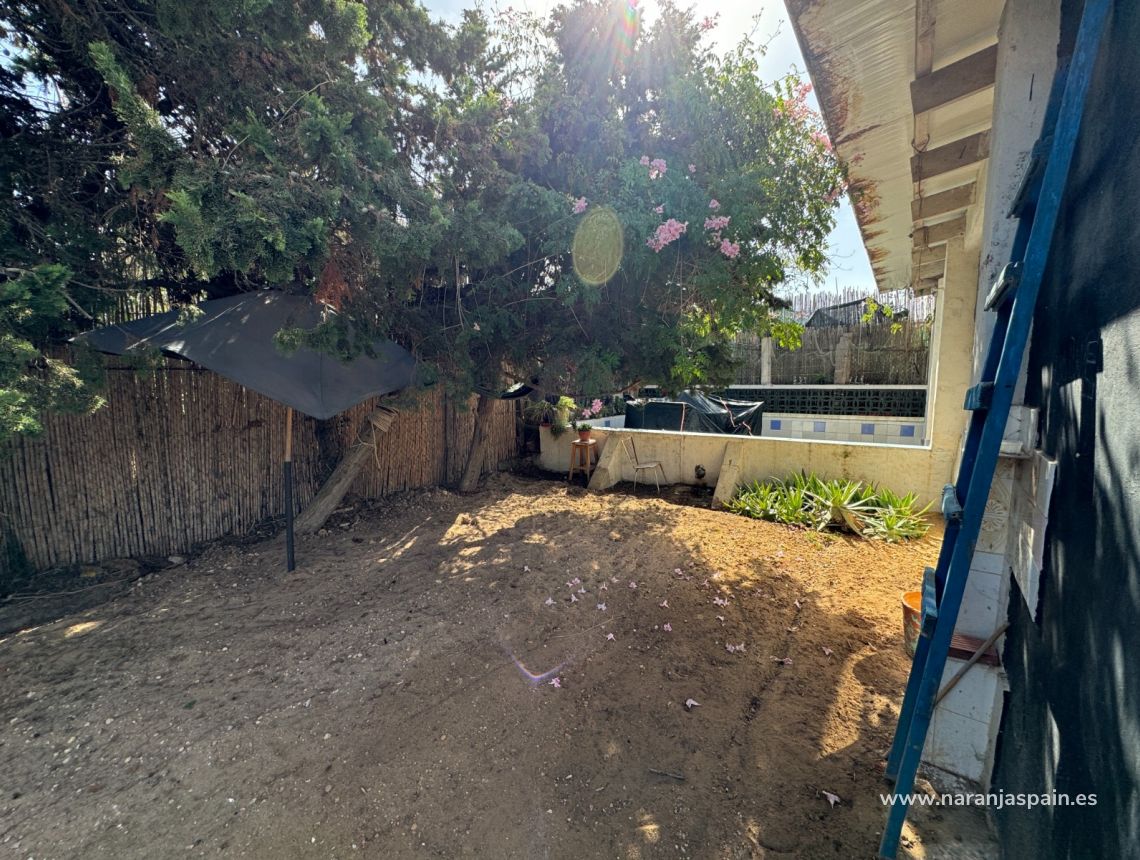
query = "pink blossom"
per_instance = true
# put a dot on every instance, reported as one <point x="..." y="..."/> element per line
<point x="668" y="628"/>
<point x="717" y="222"/>
<point x="659" y="209"/>
<point x="644" y="162"/>
<point x="796" y="108"/>
<point x="714" y="204"/>
<point x="580" y="205"/>
<point x="657" y="168"/>
<point x="709" y="21"/>
<point x="596" y="406"/>
<point x="822" y="139"/>
<point x="670" y="231"/>
<point x="730" y="249"/>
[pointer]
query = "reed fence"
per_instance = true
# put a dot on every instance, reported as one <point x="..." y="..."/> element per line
<point x="180" y="456"/>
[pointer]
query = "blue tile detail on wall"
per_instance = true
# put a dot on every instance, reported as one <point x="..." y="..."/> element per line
<point x="774" y="424"/>
<point x="906" y="430"/>
<point x="820" y="426"/>
<point x="867" y="429"/>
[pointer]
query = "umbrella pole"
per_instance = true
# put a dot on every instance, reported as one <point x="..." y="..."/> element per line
<point x="288" y="467"/>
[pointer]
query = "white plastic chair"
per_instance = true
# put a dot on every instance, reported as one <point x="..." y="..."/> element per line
<point x="639" y="466"/>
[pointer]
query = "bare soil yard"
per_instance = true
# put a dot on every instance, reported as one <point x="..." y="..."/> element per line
<point x="501" y="675"/>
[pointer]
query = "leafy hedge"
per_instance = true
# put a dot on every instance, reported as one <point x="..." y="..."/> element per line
<point x="849" y="506"/>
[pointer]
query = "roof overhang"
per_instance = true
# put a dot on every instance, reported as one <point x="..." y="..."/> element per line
<point x="906" y="89"/>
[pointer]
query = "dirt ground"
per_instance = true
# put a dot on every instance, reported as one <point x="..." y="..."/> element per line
<point x="478" y="676"/>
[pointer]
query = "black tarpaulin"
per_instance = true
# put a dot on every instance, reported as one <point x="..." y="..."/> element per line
<point x="695" y="412"/>
<point x="234" y="337"/>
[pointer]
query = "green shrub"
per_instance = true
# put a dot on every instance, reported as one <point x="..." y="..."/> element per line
<point x="809" y="501"/>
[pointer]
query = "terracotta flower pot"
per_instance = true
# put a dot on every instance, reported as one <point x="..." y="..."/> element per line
<point x="584" y="434"/>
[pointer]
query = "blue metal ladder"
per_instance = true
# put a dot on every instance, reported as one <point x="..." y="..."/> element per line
<point x="1013" y="298"/>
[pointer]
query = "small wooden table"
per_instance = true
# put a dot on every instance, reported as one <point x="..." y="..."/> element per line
<point x="583" y="457"/>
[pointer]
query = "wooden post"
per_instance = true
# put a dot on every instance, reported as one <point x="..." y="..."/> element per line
<point x="290" y="563"/>
<point x="766" y="361"/>
<point x="335" y="488"/>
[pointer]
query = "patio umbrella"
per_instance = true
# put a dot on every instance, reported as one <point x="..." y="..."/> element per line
<point x="234" y="337"/>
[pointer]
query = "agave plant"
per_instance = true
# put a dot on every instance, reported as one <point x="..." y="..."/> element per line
<point x="893" y="526"/>
<point x="845" y="503"/>
<point x="809" y="501"/>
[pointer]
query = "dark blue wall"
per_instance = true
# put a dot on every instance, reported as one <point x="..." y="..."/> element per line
<point x="1072" y="718"/>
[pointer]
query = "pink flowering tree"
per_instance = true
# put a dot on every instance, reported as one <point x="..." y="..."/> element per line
<point x="724" y="185"/>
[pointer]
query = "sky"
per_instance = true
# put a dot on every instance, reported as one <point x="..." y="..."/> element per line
<point x="849" y="264"/>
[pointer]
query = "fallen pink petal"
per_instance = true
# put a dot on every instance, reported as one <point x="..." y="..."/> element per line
<point x="668" y="628"/>
<point x="827" y="652"/>
<point x="573" y="598"/>
<point x="550" y="601"/>
<point x="632" y="584"/>
<point x="556" y="683"/>
<point x="831" y="798"/>
<point x="610" y="637"/>
<point x="602" y="607"/>
<point x="692" y="703"/>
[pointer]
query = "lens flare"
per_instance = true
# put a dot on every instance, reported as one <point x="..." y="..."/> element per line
<point x="630" y="24"/>
<point x="598" y="246"/>
<point x="530" y="677"/>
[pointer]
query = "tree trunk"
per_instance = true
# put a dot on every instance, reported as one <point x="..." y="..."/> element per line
<point x="478" y="453"/>
<point x="334" y="489"/>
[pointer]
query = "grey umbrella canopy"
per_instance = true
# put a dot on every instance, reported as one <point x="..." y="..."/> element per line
<point x="234" y="337"/>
